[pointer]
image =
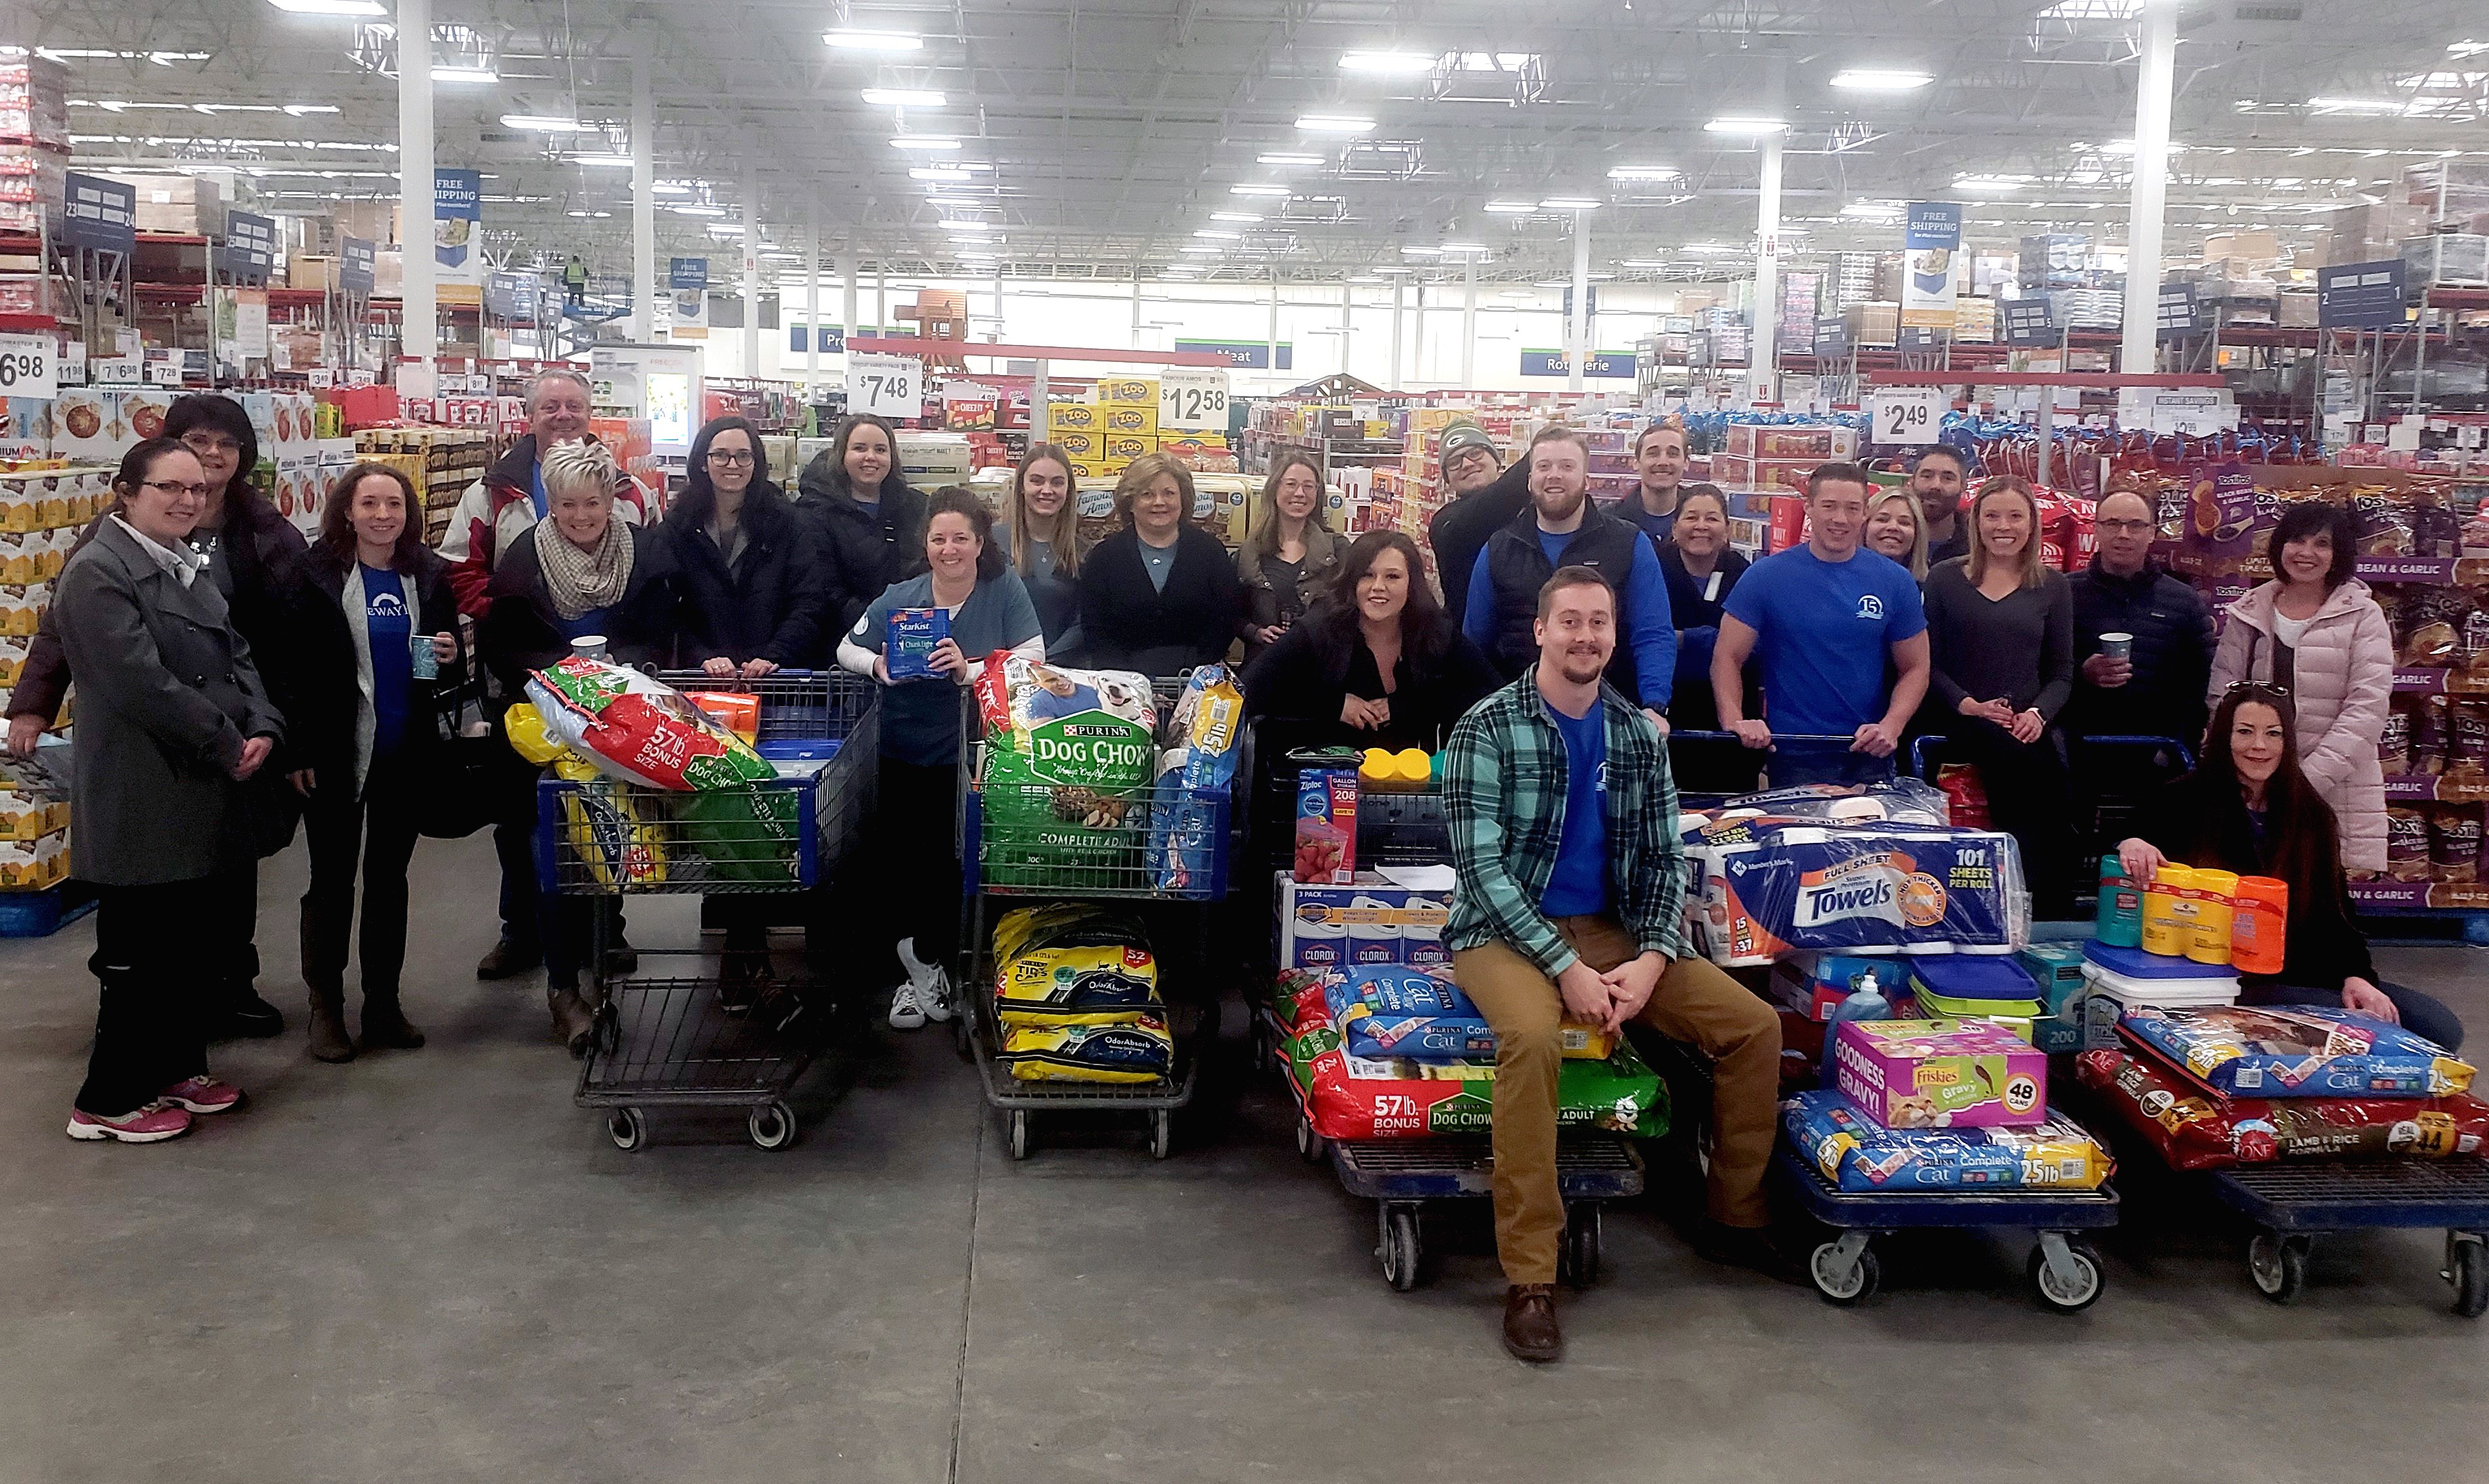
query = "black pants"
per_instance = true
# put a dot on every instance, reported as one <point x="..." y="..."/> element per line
<point x="229" y="908"/>
<point x="150" y="1032"/>
<point x="514" y="842"/>
<point x="380" y="826"/>
<point x="2028" y="799"/>
<point x="916" y="851"/>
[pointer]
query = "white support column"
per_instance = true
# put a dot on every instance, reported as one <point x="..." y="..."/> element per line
<point x="643" y="194"/>
<point x="415" y="182"/>
<point x="812" y="298"/>
<point x="1416" y="334"/>
<point x="750" y="268"/>
<point x="2139" y="346"/>
<point x="998" y="301"/>
<point x="1135" y="341"/>
<point x="881" y="297"/>
<point x="1762" y="359"/>
<point x="1347" y="318"/>
<point x="1274" y="347"/>
<point x="1469" y="323"/>
<point x="848" y="264"/>
<point x="1577" y="348"/>
<point x="1399" y="329"/>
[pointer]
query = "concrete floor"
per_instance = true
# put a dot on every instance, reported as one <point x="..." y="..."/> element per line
<point x="431" y="1266"/>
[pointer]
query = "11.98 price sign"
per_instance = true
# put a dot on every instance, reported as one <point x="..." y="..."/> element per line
<point x="886" y="385"/>
<point x="28" y="367"/>
<point x="1905" y="414"/>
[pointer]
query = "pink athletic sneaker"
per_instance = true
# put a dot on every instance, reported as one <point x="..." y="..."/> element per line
<point x="153" y="1124"/>
<point x="202" y="1094"/>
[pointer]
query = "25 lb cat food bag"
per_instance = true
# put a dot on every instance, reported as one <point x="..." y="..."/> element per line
<point x="1068" y="760"/>
<point x="2298" y="1051"/>
<point x="1855" y="1152"/>
<point x="2196" y="1129"/>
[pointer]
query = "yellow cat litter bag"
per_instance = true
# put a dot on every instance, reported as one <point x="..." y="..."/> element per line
<point x="1066" y="964"/>
<point x="1121" y="1050"/>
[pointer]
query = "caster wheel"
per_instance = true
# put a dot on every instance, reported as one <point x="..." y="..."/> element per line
<point x="627" y="1128"/>
<point x="1853" y="1285"/>
<point x="1311" y="1146"/>
<point x="1161" y="1135"/>
<point x="2279" y="1265"/>
<point x="772" y="1127"/>
<point x="1019" y="1134"/>
<point x="1400" y="1249"/>
<point x="2068" y="1298"/>
<point x="2469" y="1273"/>
<point x="1577" y="1262"/>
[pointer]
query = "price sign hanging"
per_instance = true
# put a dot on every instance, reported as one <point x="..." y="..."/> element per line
<point x="886" y="385"/>
<point x="1192" y="400"/>
<point x="28" y="367"/>
<point x="1905" y="414"/>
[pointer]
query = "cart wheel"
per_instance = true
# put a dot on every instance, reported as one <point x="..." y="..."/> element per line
<point x="2279" y="1265"/>
<point x="1019" y="1133"/>
<point x="2469" y="1273"/>
<point x="1577" y="1262"/>
<point x="772" y="1125"/>
<point x="2085" y="1290"/>
<point x="1161" y="1135"/>
<point x="1311" y="1146"/>
<point x="1400" y="1248"/>
<point x="1848" y="1284"/>
<point x="627" y="1128"/>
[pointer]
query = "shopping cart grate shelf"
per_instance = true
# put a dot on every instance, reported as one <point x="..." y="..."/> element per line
<point x="660" y="1038"/>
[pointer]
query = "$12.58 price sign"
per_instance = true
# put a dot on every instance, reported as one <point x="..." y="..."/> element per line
<point x="886" y="385"/>
<point x="1192" y="400"/>
<point x="1905" y="414"/>
<point x="28" y="367"/>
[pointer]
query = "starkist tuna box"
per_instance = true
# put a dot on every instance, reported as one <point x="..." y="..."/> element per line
<point x="1940" y="1073"/>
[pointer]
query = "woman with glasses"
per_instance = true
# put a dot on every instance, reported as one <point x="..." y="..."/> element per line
<point x="172" y="726"/>
<point x="256" y="559"/>
<point x="2249" y="808"/>
<point x="2001" y="650"/>
<point x="2317" y="632"/>
<point x="1290" y="561"/>
<point x="1040" y="537"/>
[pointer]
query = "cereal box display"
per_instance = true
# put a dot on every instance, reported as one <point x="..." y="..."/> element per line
<point x="1940" y="1073"/>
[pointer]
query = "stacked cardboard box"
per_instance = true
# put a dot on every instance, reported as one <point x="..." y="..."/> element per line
<point x="41" y="512"/>
<point x="34" y="140"/>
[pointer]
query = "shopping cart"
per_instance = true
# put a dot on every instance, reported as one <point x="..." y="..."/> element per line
<point x="2111" y="780"/>
<point x="2290" y="1203"/>
<point x="1709" y="767"/>
<point x="2064" y="1270"/>
<point x="1009" y="860"/>
<point x="673" y="1041"/>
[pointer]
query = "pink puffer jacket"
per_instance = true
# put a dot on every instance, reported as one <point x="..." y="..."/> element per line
<point x="2342" y="684"/>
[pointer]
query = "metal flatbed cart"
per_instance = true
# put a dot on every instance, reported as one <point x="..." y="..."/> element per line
<point x="2064" y="1270"/>
<point x="1401" y="1175"/>
<point x="673" y="1041"/>
<point x="998" y="854"/>
<point x="2290" y="1203"/>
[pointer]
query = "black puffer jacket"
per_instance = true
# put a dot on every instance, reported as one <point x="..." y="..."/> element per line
<point x="768" y="605"/>
<point x="864" y="548"/>
<point x="2173" y="655"/>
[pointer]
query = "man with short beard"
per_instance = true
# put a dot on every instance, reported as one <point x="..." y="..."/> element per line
<point x="1570" y="890"/>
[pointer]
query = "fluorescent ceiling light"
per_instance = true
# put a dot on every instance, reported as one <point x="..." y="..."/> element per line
<point x="1364" y="278"/>
<point x="622" y="161"/>
<point x="952" y="173"/>
<point x="1644" y="173"/>
<point x="1873" y="79"/>
<point x="2376" y="106"/>
<point x="904" y="98"/>
<point x="1396" y="270"/>
<point x="442" y="74"/>
<point x="670" y="188"/>
<point x="1259" y="190"/>
<point x="922" y="142"/>
<point x="698" y="210"/>
<point x="850" y="38"/>
<point x="1422" y="252"/>
<point x="1876" y="208"/>
<point x="1568" y="204"/>
<point x="1236" y="216"/>
<point x="1643" y="263"/>
<point x="1713" y="250"/>
<point x="1464" y="247"/>
<point x="1333" y="124"/>
<point x="329" y="7"/>
<point x="2453" y="48"/>
<point x="545" y="124"/>
<point x="1202" y="247"/>
<point x="1752" y="128"/>
<point x="573" y="213"/>
<point x="1986" y="182"/>
<point x="1285" y="160"/>
<point x="1510" y="207"/>
<point x="961" y="225"/>
<point x="1208" y="236"/>
<point x="306" y="110"/>
<point x="1396" y="63"/>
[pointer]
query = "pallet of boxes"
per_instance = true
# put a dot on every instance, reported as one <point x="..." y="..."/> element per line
<point x="42" y="511"/>
<point x="440" y="462"/>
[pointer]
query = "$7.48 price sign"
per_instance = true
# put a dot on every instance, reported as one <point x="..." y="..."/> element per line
<point x="1905" y="414"/>
<point x="886" y="385"/>
<point x="1192" y="400"/>
<point x="28" y="367"/>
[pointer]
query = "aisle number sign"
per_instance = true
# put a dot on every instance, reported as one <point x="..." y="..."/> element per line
<point x="1192" y="400"/>
<point x="27" y="367"/>
<point x="1905" y="414"/>
<point x="886" y="385"/>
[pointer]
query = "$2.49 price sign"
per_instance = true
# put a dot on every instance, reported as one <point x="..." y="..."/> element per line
<point x="1192" y="400"/>
<point x="886" y="385"/>
<point x="1905" y="414"/>
<point x="28" y="367"/>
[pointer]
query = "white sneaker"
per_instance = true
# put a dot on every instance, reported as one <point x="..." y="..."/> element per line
<point x="931" y="982"/>
<point x="906" y="1013"/>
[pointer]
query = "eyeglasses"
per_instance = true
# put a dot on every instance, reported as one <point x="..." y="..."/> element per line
<point x="2257" y="687"/>
<point x="730" y="459"/>
<point x="175" y="487"/>
<point x="2123" y="528"/>
<point x="208" y="443"/>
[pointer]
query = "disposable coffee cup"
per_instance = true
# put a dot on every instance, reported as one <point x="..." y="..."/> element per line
<point x="588" y="646"/>
<point x="418" y="650"/>
<point x="2117" y="647"/>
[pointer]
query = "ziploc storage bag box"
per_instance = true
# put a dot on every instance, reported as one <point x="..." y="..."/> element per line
<point x="914" y="632"/>
<point x="1940" y="1073"/>
<point x="2057" y="968"/>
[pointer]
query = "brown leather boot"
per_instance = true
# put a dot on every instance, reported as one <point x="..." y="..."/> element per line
<point x="1529" y="1330"/>
<point x="386" y="1026"/>
<point x="572" y="1020"/>
<point x="329" y="1040"/>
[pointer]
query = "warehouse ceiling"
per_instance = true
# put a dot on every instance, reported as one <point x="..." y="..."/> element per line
<point x="1187" y="136"/>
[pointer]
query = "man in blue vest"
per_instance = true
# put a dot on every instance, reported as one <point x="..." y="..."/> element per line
<point x="1562" y="528"/>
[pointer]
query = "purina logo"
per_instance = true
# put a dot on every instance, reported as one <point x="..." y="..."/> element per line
<point x="1870" y="607"/>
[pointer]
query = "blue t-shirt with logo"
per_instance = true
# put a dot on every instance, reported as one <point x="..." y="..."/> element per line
<point x="1577" y="886"/>
<point x="1824" y="632"/>
<point x="391" y="630"/>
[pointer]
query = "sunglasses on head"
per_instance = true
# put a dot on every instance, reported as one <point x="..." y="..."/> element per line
<point x="2265" y="688"/>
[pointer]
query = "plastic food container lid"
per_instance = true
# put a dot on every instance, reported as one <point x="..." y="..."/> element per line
<point x="2134" y="963"/>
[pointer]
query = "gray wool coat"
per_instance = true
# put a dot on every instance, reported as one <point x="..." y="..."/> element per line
<point x="166" y="694"/>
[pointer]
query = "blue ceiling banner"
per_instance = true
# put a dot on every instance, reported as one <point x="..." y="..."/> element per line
<point x="457" y="206"/>
<point x="354" y="264"/>
<point x="250" y="242"/>
<point x="687" y="273"/>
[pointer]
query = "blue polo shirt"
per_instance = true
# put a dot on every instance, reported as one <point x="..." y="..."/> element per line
<point x="1823" y="635"/>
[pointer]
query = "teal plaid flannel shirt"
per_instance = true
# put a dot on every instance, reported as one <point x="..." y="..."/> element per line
<point x="1503" y="792"/>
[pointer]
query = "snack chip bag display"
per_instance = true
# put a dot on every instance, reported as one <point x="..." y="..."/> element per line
<point x="2296" y="1051"/>
<point x="1069" y="755"/>
<point x="2196" y="1128"/>
<point x="1115" y="1047"/>
<point x="1069" y="963"/>
<point x="1855" y="1152"/>
<point x="638" y="729"/>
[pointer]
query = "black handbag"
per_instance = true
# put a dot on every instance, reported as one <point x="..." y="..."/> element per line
<point x="475" y="779"/>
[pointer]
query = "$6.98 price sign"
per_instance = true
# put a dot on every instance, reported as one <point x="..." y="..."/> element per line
<point x="886" y="385"/>
<point x="1192" y="400"/>
<point x="1905" y="414"/>
<point x="27" y="366"/>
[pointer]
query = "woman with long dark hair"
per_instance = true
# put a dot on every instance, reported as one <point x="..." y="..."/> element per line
<point x="871" y="521"/>
<point x="2247" y="808"/>
<point x="1289" y="560"/>
<point x="1376" y="661"/>
<point x="1040" y="537"/>
<point x="393" y="624"/>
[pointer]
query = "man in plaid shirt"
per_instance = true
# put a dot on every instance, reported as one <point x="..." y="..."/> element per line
<point x="1571" y="887"/>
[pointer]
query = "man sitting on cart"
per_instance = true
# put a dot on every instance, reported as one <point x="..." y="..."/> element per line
<point x="1571" y="882"/>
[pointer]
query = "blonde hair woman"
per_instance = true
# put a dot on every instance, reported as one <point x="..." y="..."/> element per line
<point x="1158" y="596"/>
<point x="1290" y="560"/>
<point x="2001" y="649"/>
<point x="1897" y="528"/>
<point x="1040" y="536"/>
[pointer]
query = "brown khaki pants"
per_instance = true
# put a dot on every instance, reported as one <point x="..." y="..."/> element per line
<point x="1695" y="1003"/>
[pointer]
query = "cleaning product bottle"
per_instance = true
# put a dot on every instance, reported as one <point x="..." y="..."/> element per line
<point x="2120" y="923"/>
<point x="2211" y="942"/>
<point x="1866" y="1002"/>
<point x="2259" y="909"/>
<point x="2166" y="931"/>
